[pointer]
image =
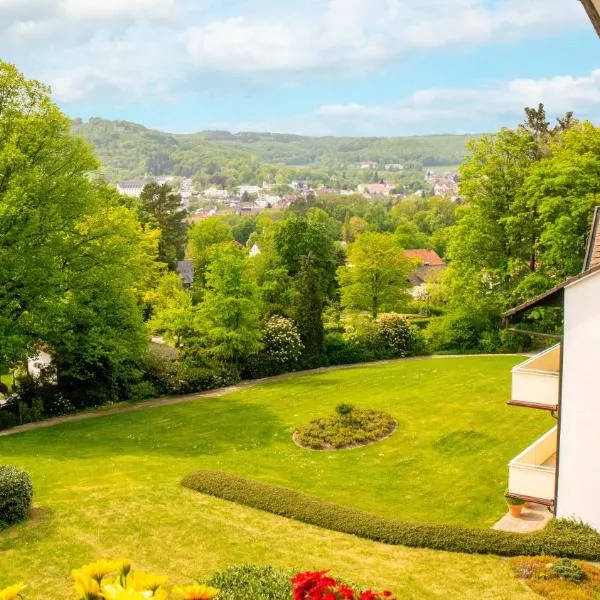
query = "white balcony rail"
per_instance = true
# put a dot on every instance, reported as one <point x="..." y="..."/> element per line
<point x="536" y="382"/>
<point x="532" y="473"/>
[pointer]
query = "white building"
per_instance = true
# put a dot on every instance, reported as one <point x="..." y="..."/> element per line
<point x="249" y="189"/>
<point x="132" y="187"/>
<point x="560" y="469"/>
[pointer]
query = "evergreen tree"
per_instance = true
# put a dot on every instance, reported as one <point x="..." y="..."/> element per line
<point x="161" y="208"/>
<point x="308" y="307"/>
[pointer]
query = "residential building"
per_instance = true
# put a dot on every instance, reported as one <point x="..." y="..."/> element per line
<point x="429" y="269"/>
<point x="375" y="189"/>
<point x="132" y="187"/>
<point x="249" y="189"/>
<point x="560" y="469"/>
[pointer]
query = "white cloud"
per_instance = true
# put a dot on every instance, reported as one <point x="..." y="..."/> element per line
<point x="366" y="33"/>
<point x="123" y="49"/>
<point x="452" y="110"/>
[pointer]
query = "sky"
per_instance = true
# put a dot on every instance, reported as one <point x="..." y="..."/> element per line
<point x="314" y="67"/>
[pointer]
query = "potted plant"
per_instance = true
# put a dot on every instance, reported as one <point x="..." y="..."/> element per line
<point x="515" y="506"/>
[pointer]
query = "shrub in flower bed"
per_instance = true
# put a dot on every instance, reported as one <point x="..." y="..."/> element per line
<point x="16" y="494"/>
<point x="559" y="538"/>
<point x="242" y="582"/>
<point x="558" y="578"/>
<point x="317" y="585"/>
<point x="349" y="428"/>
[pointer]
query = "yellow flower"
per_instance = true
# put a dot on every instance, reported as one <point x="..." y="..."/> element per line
<point x="195" y="592"/>
<point x="116" y="592"/>
<point x="12" y="592"/>
<point x="141" y="581"/>
<point x="123" y="566"/>
<point x="99" y="569"/>
<point x="86" y="588"/>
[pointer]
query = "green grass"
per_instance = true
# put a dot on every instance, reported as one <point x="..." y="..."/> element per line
<point x="110" y="486"/>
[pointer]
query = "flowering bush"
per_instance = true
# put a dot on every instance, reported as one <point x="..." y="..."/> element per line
<point x="395" y="334"/>
<point x="114" y="580"/>
<point x="282" y="341"/>
<point x="317" y="585"/>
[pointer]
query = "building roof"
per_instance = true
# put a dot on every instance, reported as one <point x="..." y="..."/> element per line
<point x="185" y="268"/>
<point x="429" y="258"/>
<point x="592" y="256"/>
<point x="554" y="295"/>
<point x="592" y="7"/>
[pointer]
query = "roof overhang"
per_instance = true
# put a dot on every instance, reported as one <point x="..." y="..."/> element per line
<point x="592" y="8"/>
<point x="553" y="297"/>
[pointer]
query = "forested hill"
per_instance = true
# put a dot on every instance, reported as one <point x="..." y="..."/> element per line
<point x="128" y="149"/>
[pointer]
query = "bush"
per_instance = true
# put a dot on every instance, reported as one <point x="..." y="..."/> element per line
<point x="246" y="582"/>
<point x="282" y="342"/>
<point x="568" y="570"/>
<point x="559" y="538"/>
<point x="339" y="352"/>
<point x="395" y="335"/>
<point x="16" y="494"/>
<point x="476" y="331"/>
<point x="356" y="427"/>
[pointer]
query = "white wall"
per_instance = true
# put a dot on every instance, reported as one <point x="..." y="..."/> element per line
<point x="579" y="455"/>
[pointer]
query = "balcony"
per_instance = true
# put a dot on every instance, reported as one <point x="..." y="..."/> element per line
<point x="531" y="475"/>
<point x="536" y="382"/>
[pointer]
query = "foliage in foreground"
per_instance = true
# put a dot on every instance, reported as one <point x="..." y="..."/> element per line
<point x="558" y="579"/>
<point x="114" y="580"/>
<point x="241" y="582"/>
<point x="16" y="495"/>
<point x="559" y="538"/>
<point x="353" y="428"/>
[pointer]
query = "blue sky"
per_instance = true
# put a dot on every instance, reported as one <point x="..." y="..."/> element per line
<point x="319" y="67"/>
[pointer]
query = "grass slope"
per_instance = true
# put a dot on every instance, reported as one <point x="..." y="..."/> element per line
<point x="110" y="486"/>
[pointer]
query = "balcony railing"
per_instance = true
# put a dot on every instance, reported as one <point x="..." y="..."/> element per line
<point x="536" y="382"/>
<point x="531" y="474"/>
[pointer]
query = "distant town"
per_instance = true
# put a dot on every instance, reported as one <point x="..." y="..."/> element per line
<point x="251" y="199"/>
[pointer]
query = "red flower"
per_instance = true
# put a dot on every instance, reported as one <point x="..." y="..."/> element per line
<point x="315" y="585"/>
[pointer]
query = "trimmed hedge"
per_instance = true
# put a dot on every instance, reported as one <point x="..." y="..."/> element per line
<point x="559" y="538"/>
<point x="16" y="494"/>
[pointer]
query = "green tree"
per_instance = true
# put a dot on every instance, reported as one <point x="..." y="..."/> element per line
<point x="74" y="260"/>
<point x="161" y="208"/>
<point x="375" y="277"/>
<point x="308" y="307"/>
<point x="297" y="236"/>
<point x="228" y="319"/>
<point x="499" y="249"/>
<point x="202" y="237"/>
<point x="172" y="308"/>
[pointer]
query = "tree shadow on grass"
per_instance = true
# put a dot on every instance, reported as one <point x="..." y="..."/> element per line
<point x="196" y="428"/>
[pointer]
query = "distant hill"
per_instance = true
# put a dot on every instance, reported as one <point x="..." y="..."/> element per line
<point x="130" y="150"/>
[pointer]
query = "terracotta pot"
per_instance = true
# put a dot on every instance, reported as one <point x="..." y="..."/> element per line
<point x="528" y="504"/>
<point x="515" y="509"/>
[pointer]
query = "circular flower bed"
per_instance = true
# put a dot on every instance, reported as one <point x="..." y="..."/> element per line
<point x="350" y="428"/>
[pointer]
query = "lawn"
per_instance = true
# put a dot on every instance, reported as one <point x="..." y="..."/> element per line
<point x="109" y="486"/>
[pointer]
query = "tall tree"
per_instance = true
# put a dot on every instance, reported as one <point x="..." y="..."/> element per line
<point x="296" y="237"/>
<point x="376" y="276"/>
<point x="162" y="209"/>
<point x="229" y="317"/>
<point x="73" y="257"/>
<point x="499" y="247"/>
<point x="203" y="236"/>
<point x="308" y="307"/>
